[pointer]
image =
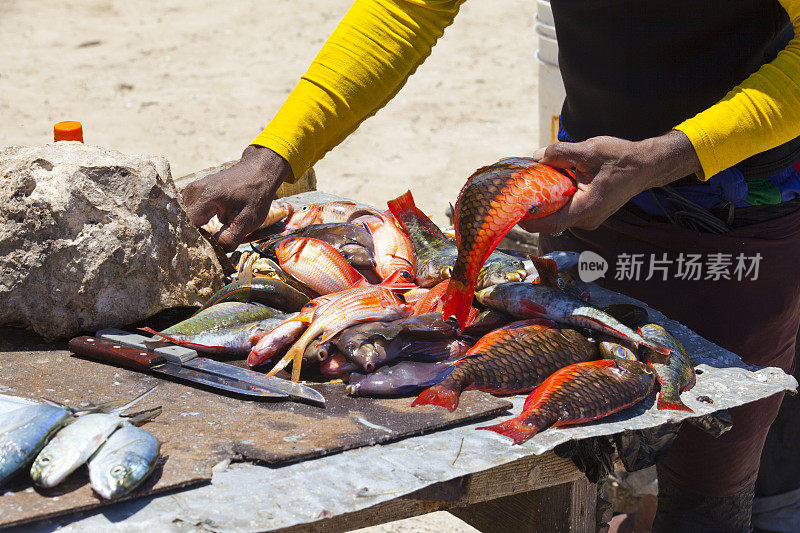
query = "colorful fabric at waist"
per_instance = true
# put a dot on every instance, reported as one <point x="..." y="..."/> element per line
<point x="722" y="190"/>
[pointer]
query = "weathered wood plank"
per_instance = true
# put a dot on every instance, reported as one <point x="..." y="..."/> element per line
<point x="565" y="508"/>
<point x="525" y="476"/>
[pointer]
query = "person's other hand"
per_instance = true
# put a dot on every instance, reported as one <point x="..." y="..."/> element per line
<point x="611" y="171"/>
<point x="240" y="195"/>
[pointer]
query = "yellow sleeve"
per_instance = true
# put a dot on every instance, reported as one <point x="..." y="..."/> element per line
<point x="761" y="113"/>
<point x="363" y="64"/>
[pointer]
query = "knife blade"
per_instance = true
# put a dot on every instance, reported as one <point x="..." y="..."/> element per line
<point x="188" y="357"/>
<point x="112" y="352"/>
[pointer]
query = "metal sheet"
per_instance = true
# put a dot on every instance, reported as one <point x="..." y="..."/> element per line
<point x="249" y="497"/>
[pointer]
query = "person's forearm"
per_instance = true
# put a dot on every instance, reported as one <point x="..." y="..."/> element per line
<point x="364" y="63"/>
<point x="673" y="158"/>
<point x="761" y="113"/>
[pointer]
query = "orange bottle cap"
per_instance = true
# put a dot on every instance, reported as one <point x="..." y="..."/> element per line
<point x="68" y="130"/>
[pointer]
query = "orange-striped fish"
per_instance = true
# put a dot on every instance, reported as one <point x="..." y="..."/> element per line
<point x="578" y="393"/>
<point x="394" y="253"/>
<point x="338" y="211"/>
<point x="494" y="200"/>
<point x="353" y="306"/>
<point x="317" y="265"/>
<point x="415" y="295"/>
<point x="511" y="360"/>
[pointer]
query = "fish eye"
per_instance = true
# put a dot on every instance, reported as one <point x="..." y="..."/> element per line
<point x="350" y="346"/>
<point x="304" y="208"/>
<point x="44" y="459"/>
<point x="118" y="471"/>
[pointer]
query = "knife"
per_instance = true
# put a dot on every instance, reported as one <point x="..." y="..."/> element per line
<point x="165" y="360"/>
<point x="188" y="357"/>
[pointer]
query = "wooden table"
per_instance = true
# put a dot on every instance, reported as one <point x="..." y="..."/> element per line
<point x="538" y="493"/>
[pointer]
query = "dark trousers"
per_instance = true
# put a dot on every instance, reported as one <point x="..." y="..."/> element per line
<point x="757" y="319"/>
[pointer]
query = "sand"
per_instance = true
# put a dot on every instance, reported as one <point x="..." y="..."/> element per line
<point x="195" y="80"/>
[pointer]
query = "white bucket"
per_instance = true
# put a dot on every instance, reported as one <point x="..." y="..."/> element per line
<point x="551" y="87"/>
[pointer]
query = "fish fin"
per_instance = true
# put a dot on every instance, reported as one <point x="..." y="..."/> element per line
<point x="672" y="405"/>
<point x="514" y="429"/>
<point x="457" y="302"/>
<point x="690" y="386"/>
<point x="405" y="210"/>
<point x="143" y="416"/>
<point x="400" y="280"/>
<point x="438" y="395"/>
<point x="547" y="270"/>
<point x="131" y="403"/>
<point x="257" y="337"/>
<point x="402" y="208"/>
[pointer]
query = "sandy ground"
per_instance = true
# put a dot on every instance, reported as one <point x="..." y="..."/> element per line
<point x="196" y="80"/>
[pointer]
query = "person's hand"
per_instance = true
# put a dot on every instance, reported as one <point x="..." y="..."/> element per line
<point x="240" y="195"/>
<point x="611" y="171"/>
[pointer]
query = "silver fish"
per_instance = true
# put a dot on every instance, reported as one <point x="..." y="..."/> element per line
<point x="529" y="300"/>
<point x="125" y="460"/>
<point x="24" y="431"/>
<point x="74" y="444"/>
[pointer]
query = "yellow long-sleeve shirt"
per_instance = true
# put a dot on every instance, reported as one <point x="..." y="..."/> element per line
<point x="380" y="43"/>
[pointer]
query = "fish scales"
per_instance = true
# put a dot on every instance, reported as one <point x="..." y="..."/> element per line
<point x="493" y="200"/>
<point x="436" y="255"/>
<point x="222" y="315"/>
<point x="512" y="360"/>
<point x="579" y="393"/>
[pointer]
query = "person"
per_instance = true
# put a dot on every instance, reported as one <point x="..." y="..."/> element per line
<point x="681" y="120"/>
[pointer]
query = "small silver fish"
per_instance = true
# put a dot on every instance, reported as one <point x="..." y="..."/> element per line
<point x="24" y="431"/>
<point x="125" y="460"/>
<point x="74" y="444"/>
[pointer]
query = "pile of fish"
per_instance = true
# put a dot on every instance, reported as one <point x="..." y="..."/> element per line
<point x="55" y="440"/>
<point x="391" y="303"/>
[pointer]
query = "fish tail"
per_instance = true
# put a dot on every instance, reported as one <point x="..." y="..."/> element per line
<point x="438" y="395"/>
<point x="135" y="400"/>
<point x="143" y="416"/>
<point x="657" y="346"/>
<point x="403" y="209"/>
<point x="672" y="404"/>
<point x="513" y="429"/>
<point x="457" y="301"/>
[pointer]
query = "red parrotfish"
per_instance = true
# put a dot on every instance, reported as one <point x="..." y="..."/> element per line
<point x="579" y="393"/>
<point x="494" y="200"/>
<point x="511" y="360"/>
<point x="674" y="372"/>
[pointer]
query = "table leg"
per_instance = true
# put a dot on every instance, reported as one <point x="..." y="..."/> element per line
<point x="565" y="508"/>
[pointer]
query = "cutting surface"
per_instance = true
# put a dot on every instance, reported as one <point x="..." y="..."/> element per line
<point x="199" y="428"/>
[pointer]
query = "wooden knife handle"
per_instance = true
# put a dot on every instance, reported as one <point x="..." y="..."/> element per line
<point x="111" y="352"/>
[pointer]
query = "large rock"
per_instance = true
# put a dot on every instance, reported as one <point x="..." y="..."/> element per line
<point x="92" y="238"/>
